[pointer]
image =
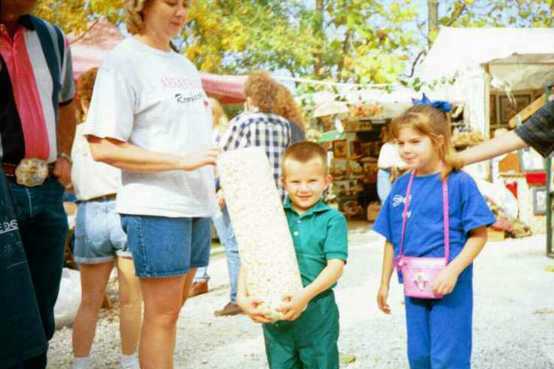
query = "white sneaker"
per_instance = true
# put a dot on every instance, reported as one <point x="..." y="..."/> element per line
<point x="129" y="362"/>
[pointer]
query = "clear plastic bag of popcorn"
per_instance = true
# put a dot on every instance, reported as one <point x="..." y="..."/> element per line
<point x="260" y="225"/>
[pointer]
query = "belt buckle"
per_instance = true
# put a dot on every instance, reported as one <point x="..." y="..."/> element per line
<point x="31" y="172"/>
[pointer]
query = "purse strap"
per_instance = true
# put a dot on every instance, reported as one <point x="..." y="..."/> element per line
<point x="407" y="201"/>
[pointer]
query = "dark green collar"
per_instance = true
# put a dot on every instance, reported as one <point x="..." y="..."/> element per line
<point x="27" y="22"/>
<point x="319" y="207"/>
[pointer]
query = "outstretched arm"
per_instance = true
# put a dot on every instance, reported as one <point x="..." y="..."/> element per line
<point x="133" y="158"/>
<point x="490" y="149"/>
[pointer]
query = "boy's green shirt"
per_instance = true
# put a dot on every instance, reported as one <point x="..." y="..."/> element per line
<point x="319" y="234"/>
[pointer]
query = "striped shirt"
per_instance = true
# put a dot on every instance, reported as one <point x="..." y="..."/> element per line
<point x="269" y="131"/>
<point x="538" y="130"/>
<point x="34" y="81"/>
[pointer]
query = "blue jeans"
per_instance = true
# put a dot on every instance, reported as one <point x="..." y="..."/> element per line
<point x="43" y="228"/>
<point x="383" y="184"/>
<point x="224" y="229"/>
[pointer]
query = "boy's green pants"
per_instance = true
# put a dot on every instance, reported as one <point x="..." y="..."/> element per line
<point x="310" y="342"/>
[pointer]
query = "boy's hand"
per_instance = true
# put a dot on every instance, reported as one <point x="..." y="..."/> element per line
<point x="382" y="297"/>
<point x="251" y="307"/>
<point x="445" y="281"/>
<point x="294" y="305"/>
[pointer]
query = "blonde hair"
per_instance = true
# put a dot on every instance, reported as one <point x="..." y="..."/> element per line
<point x="218" y="114"/>
<point x="434" y="124"/>
<point x="133" y="18"/>
<point x="286" y="106"/>
<point x="262" y="90"/>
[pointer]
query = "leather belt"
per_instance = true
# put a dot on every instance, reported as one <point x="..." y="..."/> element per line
<point x="9" y="169"/>
<point x="109" y="197"/>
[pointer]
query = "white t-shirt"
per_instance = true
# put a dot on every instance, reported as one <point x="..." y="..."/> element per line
<point x="389" y="157"/>
<point x="154" y="99"/>
<point x="91" y="178"/>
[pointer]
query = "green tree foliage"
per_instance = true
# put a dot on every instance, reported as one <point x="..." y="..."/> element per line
<point x="362" y="41"/>
<point x="346" y="40"/>
<point x="75" y="16"/>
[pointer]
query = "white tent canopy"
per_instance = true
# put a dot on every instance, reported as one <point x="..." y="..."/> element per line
<point x="485" y="59"/>
<point x="517" y="58"/>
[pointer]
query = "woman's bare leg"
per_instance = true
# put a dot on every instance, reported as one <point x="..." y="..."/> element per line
<point x="189" y="278"/>
<point x="94" y="278"/>
<point x="162" y="304"/>
<point x="130" y="305"/>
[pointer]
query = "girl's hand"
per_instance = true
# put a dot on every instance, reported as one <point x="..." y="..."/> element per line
<point x="382" y="297"/>
<point x="194" y="160"/>
<point x="445" y="281"/>
<point x="251" y="307"/>
<point x="294" y="305"/>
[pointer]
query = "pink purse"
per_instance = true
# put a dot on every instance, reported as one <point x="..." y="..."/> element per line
<point x="419" y="273"/>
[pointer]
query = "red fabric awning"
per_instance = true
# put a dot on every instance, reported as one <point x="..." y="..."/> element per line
<point x="89" y="50"/>
<point x="225" y="88"/>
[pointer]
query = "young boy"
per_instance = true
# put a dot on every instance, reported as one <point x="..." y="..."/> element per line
<point x="307" y="336"/>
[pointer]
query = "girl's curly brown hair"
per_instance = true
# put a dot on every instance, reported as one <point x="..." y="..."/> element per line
<point x="286" y="106"/>
<point x="85" y="86"/>
<point x="262" y="91"/>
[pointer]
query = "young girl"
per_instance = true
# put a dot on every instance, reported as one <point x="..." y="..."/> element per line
<point x="439" y="330"/>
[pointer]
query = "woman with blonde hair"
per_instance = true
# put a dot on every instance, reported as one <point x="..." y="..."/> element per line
<point x="150" y="117"/>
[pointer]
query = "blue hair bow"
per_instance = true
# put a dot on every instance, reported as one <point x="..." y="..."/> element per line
<point x="441" y="105"/>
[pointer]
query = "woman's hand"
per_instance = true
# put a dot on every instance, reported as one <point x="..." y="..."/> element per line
<point x="382" y="297"/>
<point x="194" y="160"/>
<point x="445" y="281"/>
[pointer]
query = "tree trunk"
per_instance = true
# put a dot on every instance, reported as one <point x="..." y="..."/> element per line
<point x="320" y="31"/>
<point x="433" y="18"/>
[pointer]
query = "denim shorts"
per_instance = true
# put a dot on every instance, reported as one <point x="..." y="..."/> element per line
<point x="167" y="247"/>
<point x="99" y="237"/>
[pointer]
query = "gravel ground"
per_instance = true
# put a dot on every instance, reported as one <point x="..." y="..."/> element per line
<point x="513" y="324"/>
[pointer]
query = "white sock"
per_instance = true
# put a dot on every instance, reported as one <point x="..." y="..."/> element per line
<point x="129" y="361"/>
<point x="81" y="362"/>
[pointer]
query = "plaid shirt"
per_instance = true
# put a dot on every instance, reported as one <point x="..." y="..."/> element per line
<point x="269" y="131"/>
<point x="538" y="130"/>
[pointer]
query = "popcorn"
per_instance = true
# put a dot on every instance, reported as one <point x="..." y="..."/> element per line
<point x="260" y="225"/>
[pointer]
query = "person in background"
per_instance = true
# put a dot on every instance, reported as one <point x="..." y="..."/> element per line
<point x="220" y="123"/>
<point x="257" y="126"/>
<point x="389" y="164"/>
<point x="100" y="243"/>
<point x="150" y="117"/>
<point x="37" y="123"/>
<point x="286" y="106"/>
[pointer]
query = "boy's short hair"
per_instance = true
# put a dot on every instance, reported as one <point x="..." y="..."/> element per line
<point x="305" y="151"/>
